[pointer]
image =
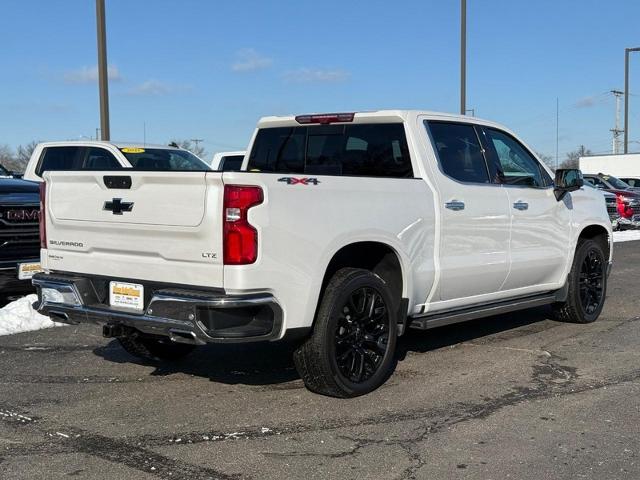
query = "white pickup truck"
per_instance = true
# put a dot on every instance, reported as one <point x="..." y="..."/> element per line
<point x="342" y="231"/>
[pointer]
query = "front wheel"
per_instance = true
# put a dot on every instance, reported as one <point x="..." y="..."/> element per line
<point x="587" y="285"/>
<point x="351" y="351"/>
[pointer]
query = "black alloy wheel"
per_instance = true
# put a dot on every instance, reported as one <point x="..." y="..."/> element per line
<point x="592" y="274"/>
<point x="362" y="335"/>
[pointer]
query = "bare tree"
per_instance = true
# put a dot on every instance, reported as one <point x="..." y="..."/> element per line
<point x="197" y="150"/>
<point x="23" y="154"/>
<point x="546" y="159"/>
<point x="572" y="160"/>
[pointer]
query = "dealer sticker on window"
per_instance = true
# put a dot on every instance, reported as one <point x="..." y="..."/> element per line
<point x="27" y="270"/>
<point x="126" y="295"/>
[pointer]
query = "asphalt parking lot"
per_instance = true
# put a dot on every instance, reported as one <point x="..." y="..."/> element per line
<point x="517" y="396"/>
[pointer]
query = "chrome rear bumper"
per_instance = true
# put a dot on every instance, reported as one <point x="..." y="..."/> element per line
<point x="183" y="314"/>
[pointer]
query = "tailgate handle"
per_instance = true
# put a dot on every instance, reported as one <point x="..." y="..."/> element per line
<point x="120" y="182"/>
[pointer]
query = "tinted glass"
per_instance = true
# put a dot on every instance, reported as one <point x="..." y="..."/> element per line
<point x="165" y="159"/>
<point x="632" y="182"/>
<point x="595" y="181"/>
<point x="60" y="158"/>
<point x="232" y="163"/>
<point x="519" y="167"/>
<point x="372" y="150"/>
<point x="100" y="159"/>
<point x="615" y="182"/>
<point x="459" y="152"/>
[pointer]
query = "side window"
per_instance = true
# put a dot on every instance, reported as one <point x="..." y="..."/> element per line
<point x="459" y="152"/>
<point x="60" y="158"/>
<point x="595" y="181"/>
<point x="100" y="159"/>
<point x="519" y="167"/>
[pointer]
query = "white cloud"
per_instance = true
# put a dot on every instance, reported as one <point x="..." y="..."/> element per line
<point x="90" y="75"/>
<point x="248" y="60"/>
<point x="586" y="102"/>
<point x="309" y="75"/>
<point x="156" y="88"/>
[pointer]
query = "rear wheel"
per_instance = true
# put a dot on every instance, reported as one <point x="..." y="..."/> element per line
<point x="587" y="285"/>
<point x="149" y="348"/>
<point x="351" y="350"/>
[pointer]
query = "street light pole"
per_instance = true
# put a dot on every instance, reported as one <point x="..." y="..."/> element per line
<point x="463" y="57"/>
<point x="627" y="51"/>
<point x="103" y="74"/>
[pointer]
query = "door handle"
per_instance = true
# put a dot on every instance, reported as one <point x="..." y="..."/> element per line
<point x="519" y="205"/>
<point x="454" y="205"/>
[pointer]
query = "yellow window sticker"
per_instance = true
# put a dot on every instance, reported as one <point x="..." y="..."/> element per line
<point x="132" y="150"/>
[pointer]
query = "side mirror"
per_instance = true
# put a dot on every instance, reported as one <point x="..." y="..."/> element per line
<point x="567" y="180"/>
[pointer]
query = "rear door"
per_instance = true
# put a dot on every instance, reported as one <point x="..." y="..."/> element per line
<point x="540" y="225"/>
<point x="160" y="226"/>
<point x="475" y="217"/>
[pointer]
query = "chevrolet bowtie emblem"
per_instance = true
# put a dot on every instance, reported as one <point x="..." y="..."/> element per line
<point x="117" y="206"/>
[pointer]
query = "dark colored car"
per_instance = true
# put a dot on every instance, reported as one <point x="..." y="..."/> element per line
<point x="627" y="198"/>
<point x="19" y="235"/>
<point x="633" y="182"/>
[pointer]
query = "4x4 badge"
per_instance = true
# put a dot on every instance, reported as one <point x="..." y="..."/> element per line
<point x="117" y="206"/>
<point x="303" y="181"/>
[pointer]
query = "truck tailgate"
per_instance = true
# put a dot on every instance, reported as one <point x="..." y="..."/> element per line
<point x="164" y="227"/>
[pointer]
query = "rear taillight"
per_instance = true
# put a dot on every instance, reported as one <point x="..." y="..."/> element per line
<point x="325" y="118"/>
<point x="41" y="216"/>
<point x="240" y="237"/>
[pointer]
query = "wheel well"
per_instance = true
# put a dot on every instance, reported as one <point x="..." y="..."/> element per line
<point x="599" y="234"/>
<point x="376" y="257"/>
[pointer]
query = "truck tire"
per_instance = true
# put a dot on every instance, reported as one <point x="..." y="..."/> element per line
<point x="149" y="348"/>
<point x="587" y="285"/>
<point x="351" y="351"/>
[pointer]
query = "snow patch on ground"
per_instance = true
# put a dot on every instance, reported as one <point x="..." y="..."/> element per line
<point x="626" y="236"/>
<point x="19" y="316"/>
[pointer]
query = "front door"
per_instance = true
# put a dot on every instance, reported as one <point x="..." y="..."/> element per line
<point x="540" y="225"/>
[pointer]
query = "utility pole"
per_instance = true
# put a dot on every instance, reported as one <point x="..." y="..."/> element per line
<point x="463" y="57"/>
<point x="197" y="141"/>
<point x="557" y="131"/>
<point x="616" y="130"/>
<point x="103" y="79"/>
<point x="627" y="51"/>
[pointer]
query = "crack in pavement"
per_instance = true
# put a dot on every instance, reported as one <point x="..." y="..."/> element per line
<point x="120" y="451"/>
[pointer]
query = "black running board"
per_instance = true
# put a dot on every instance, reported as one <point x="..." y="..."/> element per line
<point x="480" y="311"/>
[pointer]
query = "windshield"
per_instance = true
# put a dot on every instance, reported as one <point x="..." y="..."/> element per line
<point x="615" y="182"/>
<point x="163" y="159"/>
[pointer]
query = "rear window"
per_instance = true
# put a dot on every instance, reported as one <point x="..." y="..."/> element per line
<point x="231" y="163"/>
<point x="368" y="150"/>
<point x="60" y="158"/>
<point x="163" y="159"/>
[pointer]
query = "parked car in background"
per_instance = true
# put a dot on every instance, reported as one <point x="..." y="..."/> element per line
<point x="105" y="156"/>
<point x="342" y="232"/>
<point x="633" y="182"/>
<point x="19" y="236"/>
<point x="627" y="198"/>
<point x="228" y="161"/>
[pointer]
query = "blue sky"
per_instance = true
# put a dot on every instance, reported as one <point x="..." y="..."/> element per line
<point x="210" y="69"/>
